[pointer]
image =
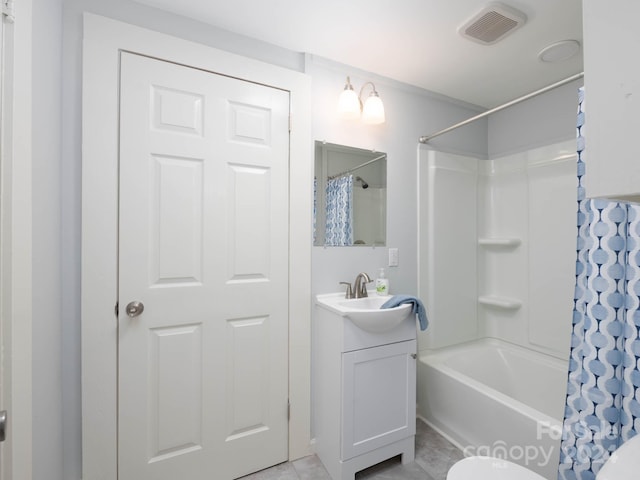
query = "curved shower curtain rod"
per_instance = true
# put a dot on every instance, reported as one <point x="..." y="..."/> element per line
<point x="426" y="138"/>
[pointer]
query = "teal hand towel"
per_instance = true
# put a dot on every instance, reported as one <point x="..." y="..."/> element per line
<point x="416" y="307"/>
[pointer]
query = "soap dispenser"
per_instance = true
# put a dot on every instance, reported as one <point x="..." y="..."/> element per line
<point x="382" y="283"/>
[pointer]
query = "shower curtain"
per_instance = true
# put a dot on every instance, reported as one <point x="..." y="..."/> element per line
<point x="603" y="396"/>
<point x="339" y="214"/>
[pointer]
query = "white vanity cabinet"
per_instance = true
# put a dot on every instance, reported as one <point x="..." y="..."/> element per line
<point x="612" y="98"/>
<point x="364" y="393"/>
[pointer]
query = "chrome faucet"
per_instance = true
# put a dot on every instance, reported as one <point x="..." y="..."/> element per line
<point x="360" y="285"/>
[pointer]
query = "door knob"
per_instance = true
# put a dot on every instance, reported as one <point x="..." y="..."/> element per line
<point x="134" y="309"/>
<point x="3" y="425"/>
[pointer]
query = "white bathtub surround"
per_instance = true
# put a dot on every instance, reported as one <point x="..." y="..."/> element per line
<point x="496" y="271"/>
<point x="493" y="398"/>
<point x="497" y="250"/>
<point x="497" y="242"/>
<point x="447" y="244"/>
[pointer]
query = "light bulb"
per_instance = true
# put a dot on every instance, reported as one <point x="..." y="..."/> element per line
<point x="373" y="110"/>
<point x="349" y="103"/>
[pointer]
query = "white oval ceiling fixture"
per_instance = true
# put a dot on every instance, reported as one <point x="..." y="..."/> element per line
<point x="559" y="51"/>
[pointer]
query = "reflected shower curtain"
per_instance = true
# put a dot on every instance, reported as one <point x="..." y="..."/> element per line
<point x="603" y="396"/>
<point x="339" y="221"/>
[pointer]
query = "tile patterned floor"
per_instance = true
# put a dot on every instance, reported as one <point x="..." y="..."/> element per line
<point x="434" y="457"/>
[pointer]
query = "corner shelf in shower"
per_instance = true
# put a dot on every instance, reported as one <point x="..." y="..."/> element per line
<point x="508" y="242"/>
<point x="506" y="303"/>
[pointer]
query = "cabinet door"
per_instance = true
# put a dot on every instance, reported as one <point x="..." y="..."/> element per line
<point x="379" y="397"/>
<point x="612" y="97"/>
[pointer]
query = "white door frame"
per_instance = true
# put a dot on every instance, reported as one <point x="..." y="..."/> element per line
<point x="103" y="40"/>
<point x="15" y="244"/>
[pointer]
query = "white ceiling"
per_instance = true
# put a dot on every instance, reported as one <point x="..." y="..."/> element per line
<point x="413" y="41"/>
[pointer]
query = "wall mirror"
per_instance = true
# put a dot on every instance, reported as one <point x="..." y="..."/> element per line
<point x="350" y="201"/>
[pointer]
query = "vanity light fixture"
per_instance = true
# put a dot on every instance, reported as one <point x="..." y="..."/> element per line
<point x="350" y="106"/>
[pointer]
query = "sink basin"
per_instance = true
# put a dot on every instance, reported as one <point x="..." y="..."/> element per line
<point x="366" y="312"/>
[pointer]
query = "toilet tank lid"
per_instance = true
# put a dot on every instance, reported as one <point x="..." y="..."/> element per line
<point x="489" y="468"/>
<point x="624" y="463"/>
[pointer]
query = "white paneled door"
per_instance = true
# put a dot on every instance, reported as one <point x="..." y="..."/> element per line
<point x="203" y="367"/>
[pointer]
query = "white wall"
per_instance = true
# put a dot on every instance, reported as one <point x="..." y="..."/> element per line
<point x="542" y="120"/>
<point x="47" y="308"/>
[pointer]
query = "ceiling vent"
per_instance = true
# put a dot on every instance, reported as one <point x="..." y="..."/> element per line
<point x="492" y="23"/>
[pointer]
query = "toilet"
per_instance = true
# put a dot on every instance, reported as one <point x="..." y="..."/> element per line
<point x="623" y="464"/>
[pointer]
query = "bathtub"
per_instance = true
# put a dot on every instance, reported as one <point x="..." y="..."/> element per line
<point x="493" y="398"/>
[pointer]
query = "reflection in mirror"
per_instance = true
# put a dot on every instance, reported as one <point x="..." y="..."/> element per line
<point x="350" y="196"/>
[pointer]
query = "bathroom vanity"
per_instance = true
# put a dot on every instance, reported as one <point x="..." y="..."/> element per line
<point x="365" y="383"/>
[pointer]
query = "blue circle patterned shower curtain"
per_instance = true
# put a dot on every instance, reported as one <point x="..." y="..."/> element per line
<point x="603" y="395"/>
